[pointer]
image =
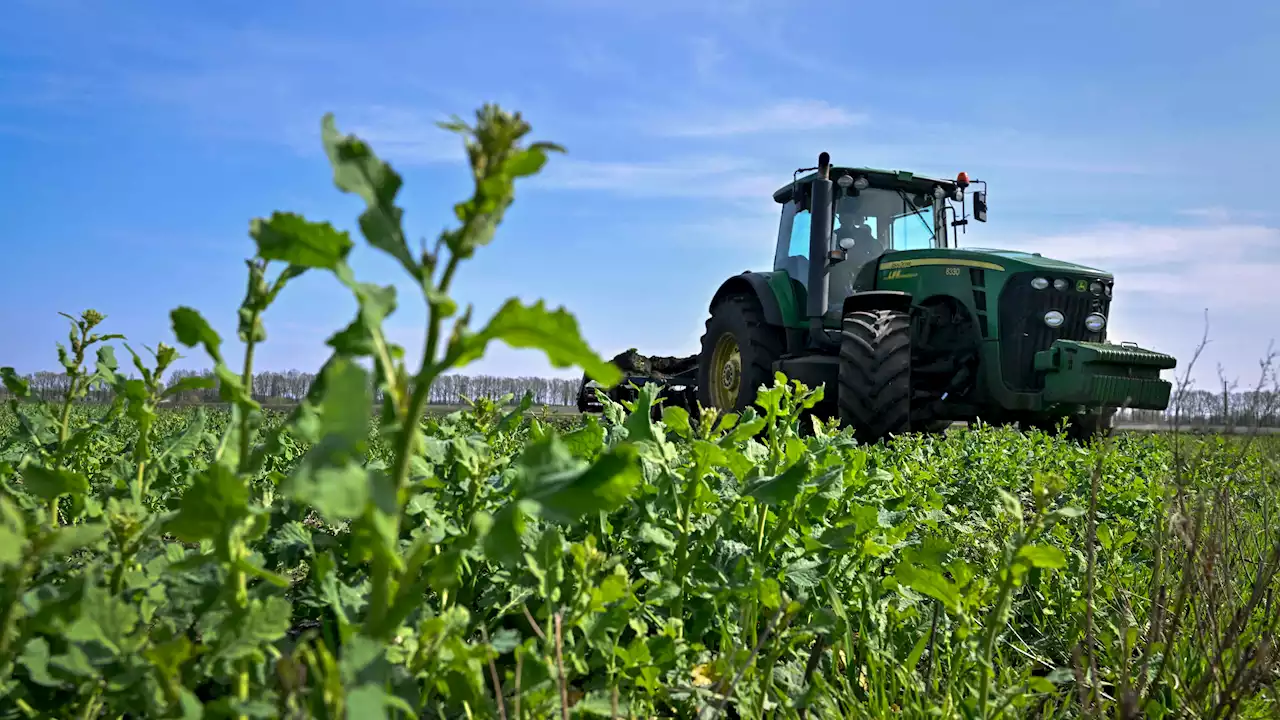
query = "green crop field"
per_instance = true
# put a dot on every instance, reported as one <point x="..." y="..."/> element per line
<point x="343" y="558"/>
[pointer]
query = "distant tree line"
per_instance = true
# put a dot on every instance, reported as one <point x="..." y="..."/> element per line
<point x="289" y="387"/>
<point x="1193" y="407"/>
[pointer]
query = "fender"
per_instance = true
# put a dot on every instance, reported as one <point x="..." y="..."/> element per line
<point x="877" y="300"/>
<point x="754" y="284"/>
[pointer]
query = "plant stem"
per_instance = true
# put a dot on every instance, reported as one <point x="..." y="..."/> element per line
<point x="246" y="379"/>
<point x="380" y="597"/>
<point x="64" y="429"/>
<point x="994" y="621"/>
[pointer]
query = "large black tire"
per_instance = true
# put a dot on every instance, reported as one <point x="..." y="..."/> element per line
<point x="737" y="320"/>
<point x="875" y="374"/>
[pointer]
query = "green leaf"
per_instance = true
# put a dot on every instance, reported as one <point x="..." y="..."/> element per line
<point x="14" y="384"/>
<point x="770" y="594"/>
<point x="505" y="640"/>
<point x="191" y="382"/>
<point x="13" y="547"/>
<point x="917" y="651"/>
<point x="243" y="633"/>
<point x="70" y="538"/>
<point x="331" y="476"/>
<point x="35" y="658"/>
<point x="1068" y="512"/>
<point x="336" y="492"/>
<point x="191" y="329"/>
<point x="781" y="488"/>
<point x="13" y="534"/>
<point x="376" y="302"/>
<point x="555" y="332"/>
<point x="804" y="574"/>
<point x="931" y="583"/>
<point x="106" y="619"/>
<point x="347" y="404"/>
<point x="1042" y="556"/>
<point x="357" y="170"/>
<point x="527" y="162"/>
<point x="49" y="483"/>
<point x="187" y="441"/>
<point x="215" y="500"/>
<point x="568" y="493"/>
<point x="639" y="422"/>
<point x="677" y="419"/>
<point x="587" y="441"/>
<point x="367" y="701"/>
<point x="657" y="536"/>
<point x="295" y="240"/>
<point x="503" y="543"/>
<point x="1041" y="685"/>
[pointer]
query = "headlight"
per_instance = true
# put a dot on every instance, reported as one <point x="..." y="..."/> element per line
<point x="1095" y="322"/>
<point x="1039" y="283"/>
<point x="1095" y="288"/>
<point x="1053" y="319"/>
<point x="1108" y="290"/>
<point x="1059" y="284"/>
<point x="957" y="194"/>
<point x="861" y="182"/>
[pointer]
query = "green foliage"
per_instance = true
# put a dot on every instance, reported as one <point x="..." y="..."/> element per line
<point x="352" y="560"/>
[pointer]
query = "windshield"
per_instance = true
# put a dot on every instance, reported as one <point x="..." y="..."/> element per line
<point x="886" y="220"/>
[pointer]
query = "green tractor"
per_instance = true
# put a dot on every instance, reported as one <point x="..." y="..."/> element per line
<point x="870" y="296"/>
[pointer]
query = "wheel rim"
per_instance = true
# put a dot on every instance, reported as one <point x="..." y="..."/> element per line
<point x="726" y="372"/>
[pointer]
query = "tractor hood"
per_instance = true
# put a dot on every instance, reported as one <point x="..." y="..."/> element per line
<point x="990" y="259"/>
<point x="1034" y="261"/>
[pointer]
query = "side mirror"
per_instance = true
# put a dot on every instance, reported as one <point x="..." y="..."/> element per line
<point x="980" y="206"/>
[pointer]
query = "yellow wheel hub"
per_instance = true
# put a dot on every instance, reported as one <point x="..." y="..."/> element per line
<point x="726" y="372"/>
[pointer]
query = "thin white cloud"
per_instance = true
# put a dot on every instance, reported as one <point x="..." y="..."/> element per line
<point x="1221" y="265"/>
<point x="1219" y="215"/>
<point x="723" y="177"/>
<point x="783" y="116"/>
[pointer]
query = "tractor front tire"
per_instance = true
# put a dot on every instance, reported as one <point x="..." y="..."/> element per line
<point x="875" y="374"/>
<point x="738" y="351"/>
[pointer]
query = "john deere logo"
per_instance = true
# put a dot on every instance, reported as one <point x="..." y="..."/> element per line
<point x="1081" y="286"/>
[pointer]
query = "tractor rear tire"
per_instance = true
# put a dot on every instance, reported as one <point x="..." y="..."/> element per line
<point x="875" y="374"/>
<point x="738" y="351"/>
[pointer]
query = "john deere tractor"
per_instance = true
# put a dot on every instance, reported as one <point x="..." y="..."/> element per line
<point x="870" y="296"/>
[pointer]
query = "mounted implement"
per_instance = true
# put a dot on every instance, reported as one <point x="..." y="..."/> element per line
<point x="871" y="297"/>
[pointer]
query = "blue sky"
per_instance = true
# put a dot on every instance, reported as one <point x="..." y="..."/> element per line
<point x="137" y="139"/>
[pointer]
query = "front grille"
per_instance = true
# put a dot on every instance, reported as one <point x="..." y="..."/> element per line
<point x="1022" y="329"/>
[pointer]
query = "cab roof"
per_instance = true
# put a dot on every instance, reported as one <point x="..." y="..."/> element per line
<point x="888" y="179"/>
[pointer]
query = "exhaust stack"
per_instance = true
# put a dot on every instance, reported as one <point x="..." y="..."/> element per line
<point x="822" y="224"/>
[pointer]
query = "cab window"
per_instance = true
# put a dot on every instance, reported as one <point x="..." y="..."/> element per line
<point x="912" y="231"/>
<point x="799" y="246"/>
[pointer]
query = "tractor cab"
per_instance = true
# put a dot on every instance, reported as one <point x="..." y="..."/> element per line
<point x="873" y="213"/>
